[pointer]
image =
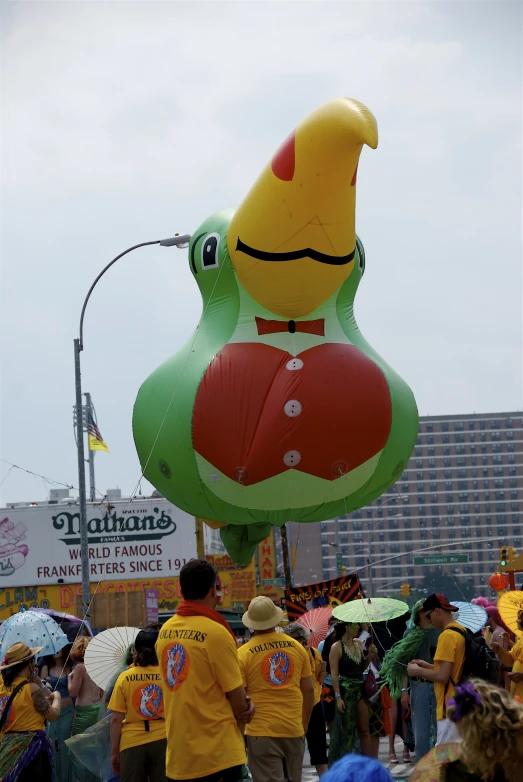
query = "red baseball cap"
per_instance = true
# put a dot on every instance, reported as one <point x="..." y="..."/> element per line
<point x="438" y="600"/>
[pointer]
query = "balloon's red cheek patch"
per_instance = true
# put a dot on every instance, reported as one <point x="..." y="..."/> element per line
<point x="284" y="161"/>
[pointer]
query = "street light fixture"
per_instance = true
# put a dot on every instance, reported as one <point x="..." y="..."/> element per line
<point x="175" y="241"/>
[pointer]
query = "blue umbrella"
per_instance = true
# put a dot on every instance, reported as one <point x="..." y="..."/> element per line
<point x="33" y="629"/>
<point x="470" y="615"/>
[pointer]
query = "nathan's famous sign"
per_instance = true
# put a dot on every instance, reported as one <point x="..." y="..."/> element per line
<point x="41" y="545"/>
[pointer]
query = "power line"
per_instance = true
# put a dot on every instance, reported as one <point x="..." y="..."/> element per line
<point x="37" y="475"/>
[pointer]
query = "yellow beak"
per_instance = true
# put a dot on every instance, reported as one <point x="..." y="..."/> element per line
<point x="292" y="240"/>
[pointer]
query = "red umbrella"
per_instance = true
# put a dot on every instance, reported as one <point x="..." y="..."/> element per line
<point x="317" y="622"/>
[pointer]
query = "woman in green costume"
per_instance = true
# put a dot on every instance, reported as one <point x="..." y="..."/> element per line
<point x="55" y="671"/>
<point x="348" y="662"/>
<point x="88" y="698"/>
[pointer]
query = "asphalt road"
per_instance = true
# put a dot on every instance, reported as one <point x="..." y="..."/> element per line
<point x="399" y="771"/>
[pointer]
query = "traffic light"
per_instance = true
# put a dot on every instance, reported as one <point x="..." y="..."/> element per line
<point x="503" y="556"/>
<point x="405" y="590"/>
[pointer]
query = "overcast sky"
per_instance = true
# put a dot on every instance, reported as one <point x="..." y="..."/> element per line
<point x="127" y="122"/>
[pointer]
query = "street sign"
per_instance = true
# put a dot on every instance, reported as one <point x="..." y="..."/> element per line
<point x="339" y="563"/>
<point x="451" y="559"/>
<point x="273" y="582"/>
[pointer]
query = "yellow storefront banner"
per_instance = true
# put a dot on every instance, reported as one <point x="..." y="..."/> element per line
<point x="237" y="582"/>
<point x="238" y="585"/>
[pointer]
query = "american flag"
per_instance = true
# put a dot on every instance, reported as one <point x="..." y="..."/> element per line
<point x="93" y="430"/>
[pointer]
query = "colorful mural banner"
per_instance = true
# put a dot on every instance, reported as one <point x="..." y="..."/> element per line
<point x="331" y="593"/>
<point x="238" y="585"/>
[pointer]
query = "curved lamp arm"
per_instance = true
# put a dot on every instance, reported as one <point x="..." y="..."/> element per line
<point x="175" y="241"/>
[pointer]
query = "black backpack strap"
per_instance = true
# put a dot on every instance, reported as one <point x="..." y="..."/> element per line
<point x="9" y="703"/>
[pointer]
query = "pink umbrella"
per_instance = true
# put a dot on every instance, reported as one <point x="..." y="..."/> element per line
<point x="317" y="623"/>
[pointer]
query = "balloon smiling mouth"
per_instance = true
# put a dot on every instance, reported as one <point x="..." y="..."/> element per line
<point x="294" y="255"/>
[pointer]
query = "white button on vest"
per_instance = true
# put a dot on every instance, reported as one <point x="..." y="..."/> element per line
<point x="292" y="458"/>
<point x="294" y="364"/>
<point x="292" y="408"/>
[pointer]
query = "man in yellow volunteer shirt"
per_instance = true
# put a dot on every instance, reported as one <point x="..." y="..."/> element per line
<point x="203" y="689"/>
<point x="513" y="659"/>
<point x="138" y="742"/>
<point x="449" y="659"/>
<point x="277" y="675"/>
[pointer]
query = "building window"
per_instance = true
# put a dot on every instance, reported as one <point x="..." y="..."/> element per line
<point x="445" y="438"/>
<point x="508" y="423"/>
<point x="446" y="449"/>
<point x="471" y="424"/>
<point x="495" y="424"/>
<point x="459" y="438"/>
<point x="444" y="426"/>
<point x="432" y="462"/>
<point x="446" y="462"/>
<point x="419" y="463"/>
<point x="472" y="437"/>
<point x="429" y="427"/>
<point x="458" y="425"/>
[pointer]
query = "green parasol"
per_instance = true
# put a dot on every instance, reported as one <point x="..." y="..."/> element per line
<point x="370" y="609"/>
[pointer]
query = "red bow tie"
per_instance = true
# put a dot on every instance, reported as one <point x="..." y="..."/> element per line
<point x="280" y="326"/>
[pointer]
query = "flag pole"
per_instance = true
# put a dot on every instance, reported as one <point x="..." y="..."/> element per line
<point x="92" y="482"/>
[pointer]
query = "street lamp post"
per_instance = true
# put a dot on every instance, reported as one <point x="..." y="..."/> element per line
<point x="403" y="497"/>
<point x="174" y="241"/>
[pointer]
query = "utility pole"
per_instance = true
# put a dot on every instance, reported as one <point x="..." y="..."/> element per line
<point x="175" y="241"/>
<point x="92" y="482"/>
<point x="84" y="540"/>
<point x="285" y="554"/>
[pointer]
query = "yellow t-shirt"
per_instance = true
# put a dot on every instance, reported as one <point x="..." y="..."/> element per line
<point x="199" y="665"/>
<point x="315" y="660"/>
<point x="138" y="694"/>
<point x="272" y="667"/>
<point x="22" y="715"/>
<point x="516" y="689"/>
<point x="450" y="649"/>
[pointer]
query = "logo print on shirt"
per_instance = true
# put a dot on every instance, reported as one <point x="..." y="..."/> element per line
<point x="148" y="701"/>
<point x="175" y="665"/>
<point x="277" y="669"/>
<point x="11" y="716"/>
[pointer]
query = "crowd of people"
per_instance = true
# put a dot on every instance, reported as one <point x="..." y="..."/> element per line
<point x="192" y="702"/>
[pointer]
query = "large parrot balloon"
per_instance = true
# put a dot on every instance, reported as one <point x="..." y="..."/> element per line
<point x="277" y="409"/>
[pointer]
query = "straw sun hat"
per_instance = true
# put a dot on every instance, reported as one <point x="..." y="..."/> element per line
<point x="262" y="614"/>
<point x="19" y="653"/>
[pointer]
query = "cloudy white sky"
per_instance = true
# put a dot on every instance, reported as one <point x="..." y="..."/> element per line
<point x="126" y="122"/>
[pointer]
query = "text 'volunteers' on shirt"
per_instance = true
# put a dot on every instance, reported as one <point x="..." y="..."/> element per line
<point x="199" y="665"/>
<point x="273" y="665"/>
<point x="138" y="694"/>
<point x="450" y="649"/>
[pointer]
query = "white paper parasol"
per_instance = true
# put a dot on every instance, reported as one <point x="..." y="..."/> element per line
<point x="470" y="615"/>
<point x="104" y="657"/>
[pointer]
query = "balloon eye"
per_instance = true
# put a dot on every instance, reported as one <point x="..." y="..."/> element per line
<point x="361" y="256"/>
<point x="210" y="251"/>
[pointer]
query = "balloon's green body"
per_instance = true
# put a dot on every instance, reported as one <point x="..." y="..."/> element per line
<point x="277" y="409"/>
